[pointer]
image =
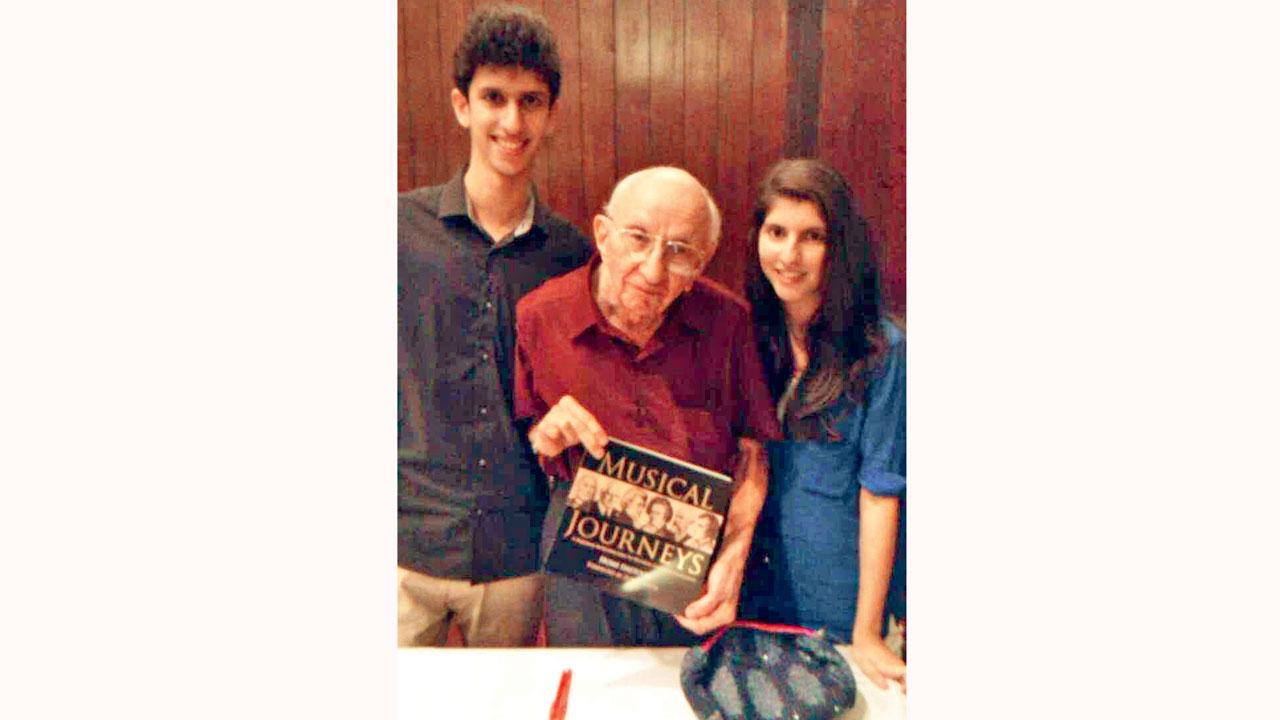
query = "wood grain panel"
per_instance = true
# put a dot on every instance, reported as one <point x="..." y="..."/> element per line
<point x="599" y="156"/>
<point x="862" y="123"/>
<point x="455" y="144"/>
<point x="769" y="74"/>
<point x="804" y="70"/>
<point x="733" y="181"/>
<point x="666" y="81"/>
<point x="843" y="115"/>
<point x="632" y="66"/>
<point x="565" y="191"/>
<point x="837" y="118"/>
<point x="853" y="155"/>
<point x="702" y="90"/>
<point x="404" y="125"/>
<point x="424" y="104"/>
<point x="893" y="65"/>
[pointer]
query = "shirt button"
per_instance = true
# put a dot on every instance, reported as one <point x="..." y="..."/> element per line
<point x="477" y="512"/>
<point x="484" y="411"/>
<point x="483" y="462"/>
<point x="484" y="357"/>
<point x="488" y="305"/>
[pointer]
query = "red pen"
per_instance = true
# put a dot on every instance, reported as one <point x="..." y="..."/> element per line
<point x="561" y="704"/>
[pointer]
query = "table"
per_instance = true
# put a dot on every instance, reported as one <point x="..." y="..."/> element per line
<point x="608" y="684"/>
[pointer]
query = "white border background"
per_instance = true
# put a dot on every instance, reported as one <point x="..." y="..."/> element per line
<point x="197" y="301"/>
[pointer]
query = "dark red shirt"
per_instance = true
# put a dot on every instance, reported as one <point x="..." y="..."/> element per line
<point x="690" y="392"/>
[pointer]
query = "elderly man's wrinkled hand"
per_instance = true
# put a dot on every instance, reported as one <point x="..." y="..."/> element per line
<point x="567" y="424"/>
<point x="718" y="606"/>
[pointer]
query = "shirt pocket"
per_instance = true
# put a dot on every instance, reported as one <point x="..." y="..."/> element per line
<point x="710" y="442"/>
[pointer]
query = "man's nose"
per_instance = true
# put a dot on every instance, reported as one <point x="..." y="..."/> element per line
<point x="511" y="118"/>
<point x="654" y="267"/>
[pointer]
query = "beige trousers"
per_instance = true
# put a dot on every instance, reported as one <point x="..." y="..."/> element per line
<point x="502" y="613"/>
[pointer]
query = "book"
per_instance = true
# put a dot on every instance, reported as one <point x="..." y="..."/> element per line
<point x="641" y="525"/>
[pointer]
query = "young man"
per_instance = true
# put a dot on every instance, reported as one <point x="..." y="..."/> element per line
<point x="471" y="501"/>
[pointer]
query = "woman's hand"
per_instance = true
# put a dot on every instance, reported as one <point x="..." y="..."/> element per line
<point x="878" y="662"/>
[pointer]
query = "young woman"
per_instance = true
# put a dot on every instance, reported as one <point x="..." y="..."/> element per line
<point x="837" y="369"/>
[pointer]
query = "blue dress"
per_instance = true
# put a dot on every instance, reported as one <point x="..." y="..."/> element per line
<point x="804" y="569"/>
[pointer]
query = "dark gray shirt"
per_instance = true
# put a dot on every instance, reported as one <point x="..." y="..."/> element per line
<point x="471" y="496"/>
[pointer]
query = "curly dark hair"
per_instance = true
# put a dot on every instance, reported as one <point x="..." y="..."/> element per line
<point x="505" y="36"/>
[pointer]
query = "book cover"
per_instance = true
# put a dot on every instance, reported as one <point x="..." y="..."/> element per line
<point x="641" y="525"/>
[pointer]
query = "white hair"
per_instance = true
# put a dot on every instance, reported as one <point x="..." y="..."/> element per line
<point x="671" y="172"/>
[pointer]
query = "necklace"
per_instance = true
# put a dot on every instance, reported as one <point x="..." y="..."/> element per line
<point x="799" y="352"/>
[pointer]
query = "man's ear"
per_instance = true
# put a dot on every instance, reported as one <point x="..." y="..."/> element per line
<point x="461" y="109"/>
<point x="600" y="228"/>
<point x="552" y="114"/>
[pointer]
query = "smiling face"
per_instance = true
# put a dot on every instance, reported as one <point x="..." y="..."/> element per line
<point x="635" y="505"/>
<point x="507" y="111"/>
<point x="634" y="291"/>
<point x="659" y="513"/>
<point x="793" y="253"/>
<point x="608" y="500"/>
<point x="703" y="528"/>
<point x="678" y="522"/>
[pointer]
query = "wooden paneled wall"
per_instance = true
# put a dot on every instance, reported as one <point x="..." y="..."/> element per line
<point x="721" y="87"/>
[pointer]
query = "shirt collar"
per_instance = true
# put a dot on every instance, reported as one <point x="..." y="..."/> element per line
<point x="689" y="310"/>
<point x="526" y="224"/>
<point x="584" y="313"/>
<point x="453" y="196"/>
<point x="454" y="202"/>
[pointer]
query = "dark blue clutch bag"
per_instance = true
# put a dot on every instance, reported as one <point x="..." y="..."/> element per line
<point x="762" y="671"/>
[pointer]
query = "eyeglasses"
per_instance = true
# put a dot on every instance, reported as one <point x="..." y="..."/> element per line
<point x="680" y="258"/>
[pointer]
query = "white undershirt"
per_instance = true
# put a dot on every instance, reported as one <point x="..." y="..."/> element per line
<point x="525" y="225"/>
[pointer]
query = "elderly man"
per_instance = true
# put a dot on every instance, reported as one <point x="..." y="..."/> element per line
<point x="610" y="504"/>
<point x="636" y="345"/>
<point x="582" y="496"/>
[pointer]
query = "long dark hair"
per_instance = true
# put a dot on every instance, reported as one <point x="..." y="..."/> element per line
<point x="845" y="337"/>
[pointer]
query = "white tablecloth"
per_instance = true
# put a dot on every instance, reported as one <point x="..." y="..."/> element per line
<point x="608" y="684"/>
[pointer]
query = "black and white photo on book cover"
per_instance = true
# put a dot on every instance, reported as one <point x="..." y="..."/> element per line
<point x="641" y="525"/>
